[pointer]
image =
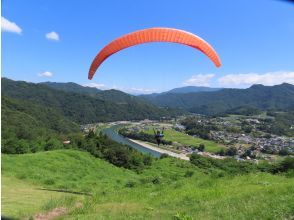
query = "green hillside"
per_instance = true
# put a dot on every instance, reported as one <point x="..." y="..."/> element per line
<point x="169" y="189"/>
<point x="63" y="169"/>
<point x="28" y="127"/>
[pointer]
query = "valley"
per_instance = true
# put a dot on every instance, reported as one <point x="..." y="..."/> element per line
<point x="74" y="152"/>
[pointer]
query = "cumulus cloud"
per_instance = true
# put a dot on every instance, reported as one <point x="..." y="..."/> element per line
<point x="45" y="74"/>
<point x="9" y="26"/>
<point x="199" y="80"/>
<point x="96" y="85"/>
<point x="52" y="36"/>
<point x="268" y="79"/>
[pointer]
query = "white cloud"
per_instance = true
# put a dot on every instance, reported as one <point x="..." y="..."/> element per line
<point x="96" y="85"/>
<point x="268" y="79"/>
<point x="132" y="90"/>
<point x="199" y="80"/>
<point x="138" y="90"/>
<point x="9" y="26"/>
<point x="52" y="36"/>
<point x="45" y="74"/>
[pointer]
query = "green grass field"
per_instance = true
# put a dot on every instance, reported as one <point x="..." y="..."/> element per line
<point x="163" y="191"/>
<point x="172" y="135"/>
<point x="23" y="199"/>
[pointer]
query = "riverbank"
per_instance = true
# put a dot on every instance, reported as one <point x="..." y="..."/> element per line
<point x="159" y="150"/>
<point x="112" y="133"/>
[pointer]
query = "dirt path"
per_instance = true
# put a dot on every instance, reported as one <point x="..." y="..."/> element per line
<point x="57" y="212"/>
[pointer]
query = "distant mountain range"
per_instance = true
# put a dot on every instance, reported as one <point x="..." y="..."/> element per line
<point x="214" y="102"/>
<point x="81" y="104"/>
<point x="188" y="89"/>
<point x="86" y="105"/>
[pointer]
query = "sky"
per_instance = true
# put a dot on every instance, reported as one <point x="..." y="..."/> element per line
<point x="57" y="41"/>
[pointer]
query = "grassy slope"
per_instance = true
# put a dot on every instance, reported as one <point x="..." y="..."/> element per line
<point x="172" y="135"/>
<point x="160" y="192"/>
<point x="24" y="176"/>
<point x="23" y="199"/>
<point x="63" y="169"/>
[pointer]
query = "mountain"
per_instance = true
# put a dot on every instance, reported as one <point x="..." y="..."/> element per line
<point x="73" y="87"/>
<point x="182" y="90"/>
<point x="215" y="102"/>
<point x="188" y="89"/>
<point x="18" y="113"/>
<point x="83" y="108"/>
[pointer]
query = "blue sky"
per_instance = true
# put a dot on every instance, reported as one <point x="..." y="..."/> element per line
<point x="57" y="41"/>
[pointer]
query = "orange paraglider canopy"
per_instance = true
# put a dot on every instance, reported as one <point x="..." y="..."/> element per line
<point x="153" y="35"/>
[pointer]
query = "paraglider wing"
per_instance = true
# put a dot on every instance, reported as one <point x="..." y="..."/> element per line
<point x="153" y="35"/>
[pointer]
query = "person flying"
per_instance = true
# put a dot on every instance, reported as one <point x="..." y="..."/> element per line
<point x="158" y="135"/>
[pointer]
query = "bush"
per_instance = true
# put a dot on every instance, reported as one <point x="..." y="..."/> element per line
<point x="120" y="155"/>
<point x="228" y="165"/>
<point x="162" y="156"/>
<point x="53" y="144"/>
<point x="221" y="152"/>
<point x="201" y="147"/>
<point x="130" y="184"/>
<point x="286" y="165"/>
<point x="284" y="152"/>
<point x="147" y="160"/>
<point x="189" y="173"/>
<point x="232" y="151"/>
<point x="200" y="161"/>
<point x="156" y="180"/>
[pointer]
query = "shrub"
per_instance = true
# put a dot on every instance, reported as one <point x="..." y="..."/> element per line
<point x="162" y="156"/>
<point x="156" y="180"/>
<point x="286" y="165"/>
<point x="284" y="152"/>
<point x="130" y="184"/>
<point x="201" y="147"/>
<point x="189" y="173"/>
<point x="232" y="151"/>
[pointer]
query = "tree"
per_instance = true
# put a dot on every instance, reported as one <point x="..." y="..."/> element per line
<point x="201" y="147"/>
<point x="247" y="153"/>
<point x="286" y="165"/>
<point x="247" y="128"/>
<point x="283" y="152"/>
<point x="232" y="151"/>
<point x="52" y="144"/>
<point x="222" y="152"/>
<point x="22" y="147"/>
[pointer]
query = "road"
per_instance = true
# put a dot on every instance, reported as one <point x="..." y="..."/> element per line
<point x="162" y="151"/>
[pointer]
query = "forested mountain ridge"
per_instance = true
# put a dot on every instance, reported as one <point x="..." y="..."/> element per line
<point x="72" y="87"/>
<point x="278" y="97"/>
<point x="29" y="127"/>
<point x="82" y="108"/>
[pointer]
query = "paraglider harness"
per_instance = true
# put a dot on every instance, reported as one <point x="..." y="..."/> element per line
<point x="158" y="136"/>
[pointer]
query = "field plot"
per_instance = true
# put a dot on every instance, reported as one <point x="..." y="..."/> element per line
<point x="175" y="136"/>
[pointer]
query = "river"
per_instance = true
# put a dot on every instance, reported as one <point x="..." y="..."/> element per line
<point x="113" y="134"/>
